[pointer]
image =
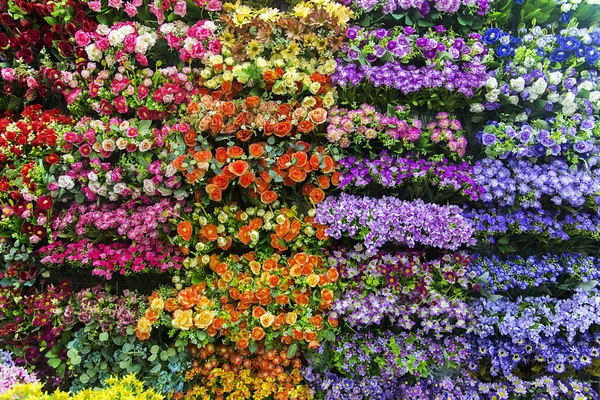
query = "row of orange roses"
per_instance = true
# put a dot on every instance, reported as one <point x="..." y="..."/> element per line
<point x="261" y="170"/>
<point x="281" y="228"/>
<point x="249" y="299"/>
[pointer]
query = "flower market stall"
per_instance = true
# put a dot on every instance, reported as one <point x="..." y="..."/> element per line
<point x="320" y="199"/>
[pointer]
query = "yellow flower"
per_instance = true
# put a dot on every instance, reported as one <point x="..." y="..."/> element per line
<point x="254" y="48"/>
<point x="266" y="320"/>
<point x="302" y="10"/>
<point x="269" y="14"/>
<point x="144" y="325"/>
<point x="204" y="319"/>
<point x="182" y="319"/>
<point x="157" y="303"/>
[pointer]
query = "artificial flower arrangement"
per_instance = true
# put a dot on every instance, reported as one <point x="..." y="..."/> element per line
<point x="248" y="299"/>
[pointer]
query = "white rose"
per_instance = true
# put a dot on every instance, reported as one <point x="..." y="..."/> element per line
<point x="261" y="62"/>
<point x="514" y="100"/>
<point x="586" y="85"/>
<point x="554" y="97"/>
<point x="517" y="84"/>
<point x="115" y="38"/>
<point x="119" y="187"/>
<point x="594" y="96"/>
<point x="149" y="187"/>
<point x="566" y="7"/>
<point x="476" y="108"/>
<point x="555" y="77"/>
<point x="569" y="109"/>
<point x="93" y="177"/>
<point x="539" y="86"/>
<point x="493" y="95"/>
<point x="103" y="29"/>
<point x="94" y="53"/>
<point x="491" y="83"/>
<point x="568" y="99"/>
<point x="66" y="182"/>
<point x="529" y="62"/>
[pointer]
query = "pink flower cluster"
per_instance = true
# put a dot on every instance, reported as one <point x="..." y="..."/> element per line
<point x="194" y="42"/>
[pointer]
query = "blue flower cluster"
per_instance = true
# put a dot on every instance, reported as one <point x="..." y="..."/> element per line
<point x="498" y="274"/>
<point x="507" y="183"/>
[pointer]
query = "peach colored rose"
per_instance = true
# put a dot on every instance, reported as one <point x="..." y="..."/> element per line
<point x="267" y="320"/>
<point x="312" y="280"/>
<point x="182" y="320"/>
<point x="204" y="319"/>
<point x="291" y="318"/>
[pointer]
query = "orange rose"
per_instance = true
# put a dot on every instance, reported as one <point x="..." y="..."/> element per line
<point x="312" y="280"/>
<point x="305" y="126"/>
<point x="227" y="108"/>
<point x="244" y="135"/>
<point x="189" y="138"/>
<point x="323" y="181"/>
<point x="273" y="281"/>
<point x="256" y="150"/>
<point x="296" y="174"/>
<point x="204" y="123"/>
<point x="221" y="154"/>
<point x="318" y="115"/>
<point x="333" y="274"/>
<point x="235" y="152"/>
<point x="221" y="268"/>
<point x="332" y="321"/>
<point x="269" y="264"/>
<point x="327" y="295"/>
<point x="263" y="292"/>
<point x="142" y="335"/>
<point x="210" y="232"/>
<point x="188" y="297"/>
<point x="302" y="300"/>
<point x="317" y="321"/>
<point x="267" y="320"/>
<point x="247" y="179"/>
<point x="203" y="156"/>
<point x="283" y="128"/>
<point x="258" y="333"/>
<point x="171" y="305"/>
<point x="309" y="336"/>
<point x="316" y="195"/>
<point x="284" y="109"/>
<point x="242" y="344"/>
<point x="178" y="163"/>
<point x="244" y="235"/>
<point x="258" y="312"/>
<point x="315" y="161"/>
<point x="182" y="320"/>
<point x="204" y="319"/>
<point x="282" y="299"/>
<point x="193" y="107"/>
<point x="284" y="161"/>
<point x="214" y="192"/>
<point x="184" y="229"/>
<point x="238" y="167"/>
<point x="300" y="158"/>
<point x="218" y="323"/>
<point x="268" y="197"/>
<point x="254" y="267"/>
<point x="216" y="123"/>
<point x="207" y="101"/>
<point x="220" y="182"/>
<point x="253" y="101"/>
<point x="269" y="75"/>
<point x="335" y="178"/>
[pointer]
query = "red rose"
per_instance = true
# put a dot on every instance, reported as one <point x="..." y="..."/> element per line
<point x="26" y="55"/>
<point x="45" y="202"/>
<point x="52" y="159"/>
<point x="65" y="49"/>
<point x="4" y="42"/>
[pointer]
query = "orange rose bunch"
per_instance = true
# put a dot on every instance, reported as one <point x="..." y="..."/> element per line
<point x="251" y="117"/>
<point x="284" y="228"/>
<point x="246" y="300"/>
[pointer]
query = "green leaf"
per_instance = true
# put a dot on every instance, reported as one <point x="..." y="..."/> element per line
<point x="103" y="336"/>
<point x="292" y="350"/>
<point x="54" y="362"/>
<point x="253" y="347"/>
<point x="84" y="378"/>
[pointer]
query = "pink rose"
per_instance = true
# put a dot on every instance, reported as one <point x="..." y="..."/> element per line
<point x="198" y="51"/>
<point x="141" y="59"/>
<point x="8" y="74"/>
<point x="131" y="10"/>
<point x="142" y="92"/>
<point x="213" y="5"/>
<point x="120" y="104"/>
<point x="180" y="9"/>
<point x="115" y="4"/>
<point x="129" y="43"/>
<point x="82" y="38"/>
<point x="72" y="96"/>
<point x="95" y="6"/>
<point x="102" y="44"/>
<point x="215" y="46"/>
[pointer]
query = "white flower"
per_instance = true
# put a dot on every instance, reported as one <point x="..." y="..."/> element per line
<point x="554" y="97"/>
<point x="116" y="37"/>
<point x="476" y="108"/>
<point x="539" y="86"/>
<point x="566" y="7"/>
<point x="94" y="53"/>
<point x="555" y="77"/>
<point x="594" y="96"/>
<point x="493" y="95"/>
<point x="119" y="187"/>
<point x="66" y="182"/>
<point x="521" y="117"/>
<point x="149" y="187"/>
<point x="491" y="83"/>
<point x="103" y="30"/>
<point x="568" y="100"/>
<point x="586" y="85"/>
<point x="569" y="109"/>
<point x="517" y="84"/>
<point x="514" y="100"/>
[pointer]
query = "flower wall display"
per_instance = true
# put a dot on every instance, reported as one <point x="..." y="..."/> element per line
<point x="351" y="199"/>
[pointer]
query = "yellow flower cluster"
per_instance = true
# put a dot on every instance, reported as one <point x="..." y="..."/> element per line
<point x="125" y="388"/>
<point x="244" y="385"/>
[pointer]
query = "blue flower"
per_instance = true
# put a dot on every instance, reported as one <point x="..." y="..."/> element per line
<point x="591" y="55"/>
<point x="491" y="36"/>
<point x="565" y="17"/>
<point x="569" y="43"/>
<point x="559" y="56"/>
<point x="503" y="50"/>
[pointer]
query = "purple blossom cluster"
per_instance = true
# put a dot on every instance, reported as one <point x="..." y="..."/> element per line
<point x="571" y="137"/>
<point x="498" y="274"/>
<point x="394" y="355"/>
<point x="424" y="6"/>
<point x="442" y="78"/>
<point x="404" y="44"/>
<point x="388" y="287"/>
<point x="396" y="130"/>
<point x="391" y="220"/>
<point x="492" y="222"/>
<point x="545" y="387"/>
<point x="558" y="333"/>
<point x="392" y="172"/>
<point x="522" y="182"/>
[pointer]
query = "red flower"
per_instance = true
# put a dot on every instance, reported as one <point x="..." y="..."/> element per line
<point x="45" y="202"/>
<point x="52" y="159"/>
